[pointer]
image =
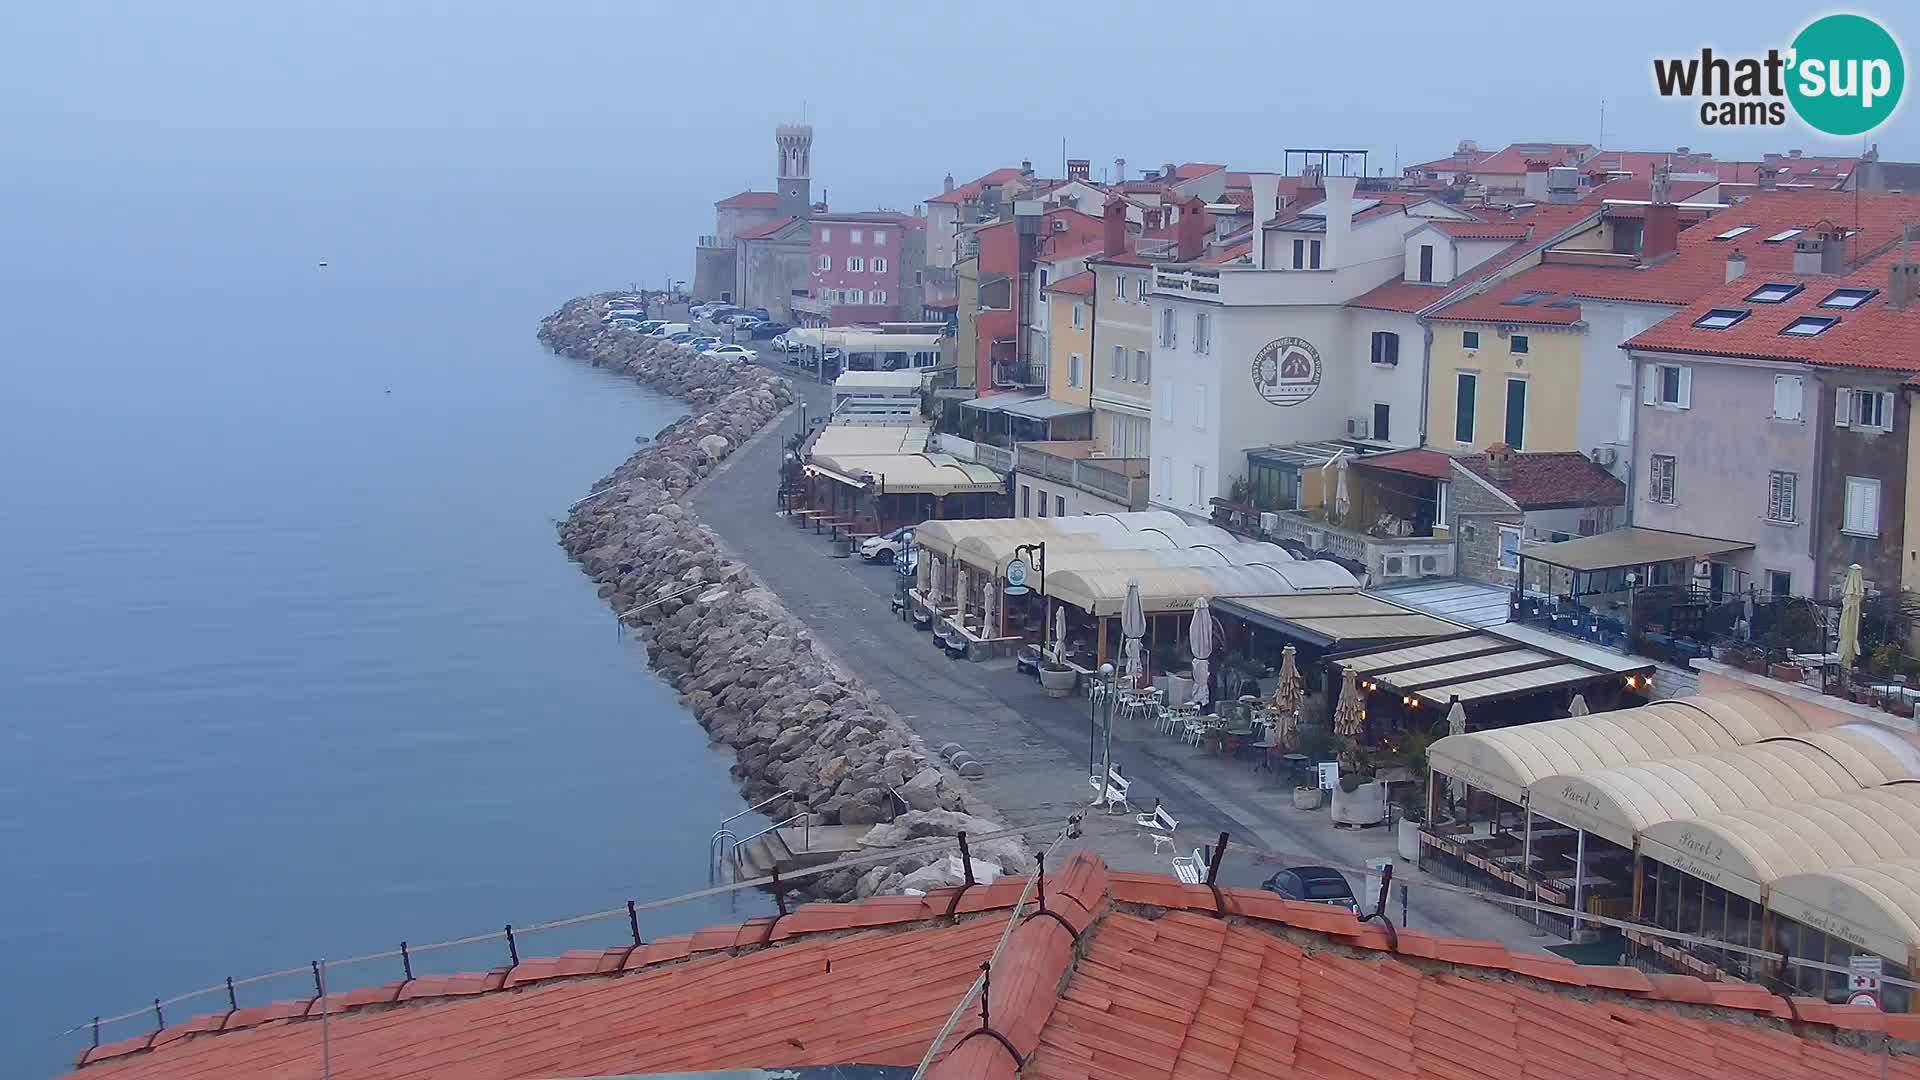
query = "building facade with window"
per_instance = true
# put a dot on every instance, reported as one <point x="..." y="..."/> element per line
<point x="1122" y="387"/>
<point x="857" y="262"/>
<point x="1500" y="498"/>
<point x="1070" y="303"/>
<point x="1774" y="411"/>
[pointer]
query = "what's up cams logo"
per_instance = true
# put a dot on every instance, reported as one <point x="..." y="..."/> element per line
<point x="1841" y="76"/>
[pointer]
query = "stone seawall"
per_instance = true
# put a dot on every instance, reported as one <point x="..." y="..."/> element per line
<point x="749" y="670"/>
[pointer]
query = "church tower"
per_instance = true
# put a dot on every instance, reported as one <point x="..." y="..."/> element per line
<point x="796" y="169"/>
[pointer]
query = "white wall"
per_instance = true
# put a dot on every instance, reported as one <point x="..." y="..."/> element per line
<point x="1607" y="392"/>
<point x="1398" y="387"/>
<point x="1077" y="501"/>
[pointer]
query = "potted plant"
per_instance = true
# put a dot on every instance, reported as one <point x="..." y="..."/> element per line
<point x="1358" y="799"/>
<point x="1056" y="678"/>
<point x="1413" y="812"/>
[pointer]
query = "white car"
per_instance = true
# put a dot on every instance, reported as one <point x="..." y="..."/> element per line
<point x="730" y="352"/>
<point x="887" y="547"/>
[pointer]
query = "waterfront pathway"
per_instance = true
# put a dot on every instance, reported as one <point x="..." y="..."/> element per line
<point x="1035" y="747"/>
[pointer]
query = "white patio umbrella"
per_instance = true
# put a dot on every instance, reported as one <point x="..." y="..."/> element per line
<point x="1133" y="627"/>
<point x="1341" y="503"/>
<point x="1456" y="725"/>
<point x="1852" y="594"/>
<point x="960" y="590"/>
<point x="1579" y="706"/>
<point x="1200" y="640"/>
<point x="990" y="600"/>
<point x="1060" y="633"/>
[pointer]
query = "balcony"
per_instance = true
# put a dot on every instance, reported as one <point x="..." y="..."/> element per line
<point x="1385" y="558"/>
<point x="1009" y="374"/>
<point x="712" y="241"/>
<point x="1120" y="480"/>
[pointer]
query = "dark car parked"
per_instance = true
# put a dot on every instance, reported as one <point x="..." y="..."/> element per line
<point x="770" y="329"/>
<point x="1315" y="885"/>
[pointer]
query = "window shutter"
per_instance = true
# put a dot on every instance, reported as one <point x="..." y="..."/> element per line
<point x="1686" y="387"/>
<point x="1650" y="385"/>
<point x="1788" y="498"/>
<point x="1886" y="410"/>
<point x="1773" y="497"/>
<point x="1842" y="407"/>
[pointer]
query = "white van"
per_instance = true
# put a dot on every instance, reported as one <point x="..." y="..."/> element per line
<point x="673" y="328"/>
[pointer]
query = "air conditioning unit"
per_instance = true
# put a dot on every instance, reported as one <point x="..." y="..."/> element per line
<point x="1604" y="455"/>
<point x="1059" y="224"/>
<point x="1315" y="538"/>
<point x="1269" y="522"/>
<point x="1429" y="564"/>
<point x="1359" y="427"/>
<point x="1394" y="566"/>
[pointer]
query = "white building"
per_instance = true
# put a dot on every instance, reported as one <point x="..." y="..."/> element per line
<point x="1269" y="353"/>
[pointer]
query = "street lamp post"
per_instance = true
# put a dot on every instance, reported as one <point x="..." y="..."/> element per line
<point x="1101" y="736"/>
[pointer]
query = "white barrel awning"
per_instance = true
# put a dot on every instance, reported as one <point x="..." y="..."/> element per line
<point x="1875" y="907"/>
<point x="1163" y="589"/>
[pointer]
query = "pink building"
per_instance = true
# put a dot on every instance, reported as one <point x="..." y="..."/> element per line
<point x="858" y="264"/>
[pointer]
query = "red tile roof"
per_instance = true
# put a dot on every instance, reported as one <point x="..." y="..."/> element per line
<point x="1229" y="254"/>
<point x="1409" y="297"/>
<point x="1195" y="169"/>
<point x="1544" y="224"/>
<point x="861" y="217"/>
<point x="1699" y="265"/>
<point x="1137" y="978"/>
<point x="1513" y="229"/>
<point x="1125" y="258"/>
<point x="1869" y="336"/>
<point x="766" y="230"/>
<point x="1641" y="188"/>
<point x="1514" y="158"/>
<point x="1080" y="284"/>
<point x="1550" y="481"/>
<point x="750" y="200"/>
<point x="972" y="188"/>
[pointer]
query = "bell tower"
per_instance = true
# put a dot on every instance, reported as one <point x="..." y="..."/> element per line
<point x="795" y="142"/>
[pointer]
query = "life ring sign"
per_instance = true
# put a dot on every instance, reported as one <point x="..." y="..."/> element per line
<point x="1286" y="371"/>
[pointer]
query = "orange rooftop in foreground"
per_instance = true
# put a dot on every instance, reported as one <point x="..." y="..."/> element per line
<point x="1124" y="975"/>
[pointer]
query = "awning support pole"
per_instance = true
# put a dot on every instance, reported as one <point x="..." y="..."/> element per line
<point x="1526" y="859"/>
<point x="1579" y="874"/>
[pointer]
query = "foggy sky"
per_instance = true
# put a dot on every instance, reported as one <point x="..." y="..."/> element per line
<point x="676" y="102"/>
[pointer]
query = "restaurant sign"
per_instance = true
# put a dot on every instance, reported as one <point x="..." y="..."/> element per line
<point x="1017" y="577"/>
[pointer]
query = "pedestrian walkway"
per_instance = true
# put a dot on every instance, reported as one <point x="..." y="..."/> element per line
<point x="1037" y="749"/>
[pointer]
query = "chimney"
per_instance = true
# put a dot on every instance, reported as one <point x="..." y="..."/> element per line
<point x="1166" y="170"/>
<point x="1119" y="170"/>
<point x="1500" y="462"/>
<point x="1736" y="265"/>
<point x="1806" y="253"/>
<point x="1903" y="277"/>
<point x="1535" y="187"/>
<point x="1026" y="168"/>
<point x="1152" y="216"/>
<point x="1793" y="153"/>
<point x="949" y="186"/>
<point x="1769" y="178"/>
<point x="1113" y="224"/>
<point x="1660" y="233"/>
<point x="1338" y="208"/>
<point x="1191" y="231"/>
<point x="1079" y="169"/>
<point x="1266" y="203"/>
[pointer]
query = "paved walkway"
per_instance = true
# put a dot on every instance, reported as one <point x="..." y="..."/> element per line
<point x="1036" y="748"/>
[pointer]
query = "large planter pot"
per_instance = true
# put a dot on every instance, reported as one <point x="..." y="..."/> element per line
<point x="1785" y="672"/>
<point x="1306" y="798"/>
<point x="1409" y="840"/>
<point x="1058" y="682"/>
<point x="1365" y="805"/>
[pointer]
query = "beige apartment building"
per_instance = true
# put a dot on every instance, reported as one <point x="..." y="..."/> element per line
<point x="1122" y="361"/>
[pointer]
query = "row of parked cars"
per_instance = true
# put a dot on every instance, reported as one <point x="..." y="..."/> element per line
<point x="756" y="323"/>
<point x="679" y="333"/>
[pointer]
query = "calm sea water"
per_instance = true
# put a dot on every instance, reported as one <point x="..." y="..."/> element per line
<point x="290" y="663"/>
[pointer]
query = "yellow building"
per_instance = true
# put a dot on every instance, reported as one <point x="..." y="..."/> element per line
<point x="1502" y="382"/>
<point x="1070" y="340"/>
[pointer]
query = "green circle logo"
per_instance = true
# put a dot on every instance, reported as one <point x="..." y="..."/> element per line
<point x="1847" y="75"/>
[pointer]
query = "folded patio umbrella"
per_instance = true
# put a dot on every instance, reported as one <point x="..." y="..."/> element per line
<point x="1351" y="712"/>
<point x="1133" y="627"/>
<point x="1200" y="640"/>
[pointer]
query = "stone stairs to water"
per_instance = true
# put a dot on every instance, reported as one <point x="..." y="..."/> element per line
<point x="796" y="848"/>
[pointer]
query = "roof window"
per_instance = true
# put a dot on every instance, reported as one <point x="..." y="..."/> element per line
<point x="1783" y="236"/>
<point x="1775" y="292"/>
<point x="1735" y="231"/>
<point x="1721" y="318"/>
<point x="1522" y="299"/>
<point x="1809" y="325"/>
<point x="1847" y="299"/>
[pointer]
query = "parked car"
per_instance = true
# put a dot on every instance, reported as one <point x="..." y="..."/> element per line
<point x="738" y="318"/>
<point x="670" y="329"/>
<point x="719" y="313"/>
<point x="683" y="337"/>
<point x="888" y="547"/>
<point x="729" y="352"/>
<point x="779" y="343"/>
<point x="1315" y="885"/>
<point x="650" y="325"/>
<point x="767" y="330"/>
<point x="704" y="343"/>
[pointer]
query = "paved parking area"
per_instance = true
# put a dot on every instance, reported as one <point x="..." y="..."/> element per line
<point x="1036" y="748"/>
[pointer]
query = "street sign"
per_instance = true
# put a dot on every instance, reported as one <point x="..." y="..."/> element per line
<point x="1017" y="577"/>
<point x="1864" y="971"/>
<point x="1862" y="997"/>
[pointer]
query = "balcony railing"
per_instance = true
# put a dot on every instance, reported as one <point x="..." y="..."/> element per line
<point x="712" y="241"/>
<point x="1010" y="373"/>
<point x="1386" y="558"/>
<point x="1122" y="480"/>
<point x="997" y="458"/>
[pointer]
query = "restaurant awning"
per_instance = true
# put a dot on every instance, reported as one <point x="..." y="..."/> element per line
<point x="908" y="474"/>
<point x="940" y="537"/>
<point x="1477" y="666"/>
<point x="1508" y="761"/>
<point x="1875" y="907"/>
<point x="1746" y="851"/>
<point x="870" y="439"/>
<point x="1044" y="408"/>
<point x="1323" y="619"/>
<point x="1162" y="589"/>
<point x="1631" y="546"/>
<point x="1619" y="802"/>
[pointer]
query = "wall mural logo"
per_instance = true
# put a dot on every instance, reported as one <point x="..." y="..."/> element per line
<point x="1842" y="76"/>
<point x="1286" y="371"/>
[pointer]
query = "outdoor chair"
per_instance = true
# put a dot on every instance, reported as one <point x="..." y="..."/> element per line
<point x="1160" y="826"/>
<point x="1116" y="789"/>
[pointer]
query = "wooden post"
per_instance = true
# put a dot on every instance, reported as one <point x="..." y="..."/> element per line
<point x="1639" y="882"/>
<point x="1100" y="649"/>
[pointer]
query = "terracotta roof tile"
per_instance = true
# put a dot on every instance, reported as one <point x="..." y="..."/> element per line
<point x="972" y="188"/>
<point x="1550" y="480"/>
<point x="1272" y="991"/>
<point x="751" y="200"/>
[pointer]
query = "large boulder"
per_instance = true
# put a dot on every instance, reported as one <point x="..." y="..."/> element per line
<point x="923" y="791"/>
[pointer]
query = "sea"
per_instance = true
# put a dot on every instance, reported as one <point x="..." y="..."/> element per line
<point x="291" y="665"/>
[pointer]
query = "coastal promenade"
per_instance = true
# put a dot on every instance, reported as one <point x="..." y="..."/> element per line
<point x="1035" y="748"/>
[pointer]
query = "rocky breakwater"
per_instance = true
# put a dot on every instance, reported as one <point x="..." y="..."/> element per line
<point x="796" y="718"/>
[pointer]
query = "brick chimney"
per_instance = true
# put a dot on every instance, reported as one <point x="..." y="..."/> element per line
<point x="1500" y="462"/>
<point x="1079" y="168"/>
<point x="1822" y="251"/>
<point x="1660" y="233"/>
<point x="1769" y="178"/>
<point x="1903" y="277"/>
<point x="1736" y="265"/>
<point x="1190" y="233"/>
<point x="1535" y="186"/>
<point x="1113" y="225"/>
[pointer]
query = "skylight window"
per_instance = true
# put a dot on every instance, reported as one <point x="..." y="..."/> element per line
<point x="1809" y="325"/>
<point x="1783" y="236"/>
<point x="1720" y="318"/>
<point x="1847" y="299"/>
<point x="1522" y="299"/>
<point x="1564" y="302"/>
<point x="1774" y="292"/>
<point x="1735" y="231"/>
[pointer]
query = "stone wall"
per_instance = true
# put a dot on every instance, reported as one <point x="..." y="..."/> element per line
<point x="748" y="669"/>
<point x="1480" y="512"/>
